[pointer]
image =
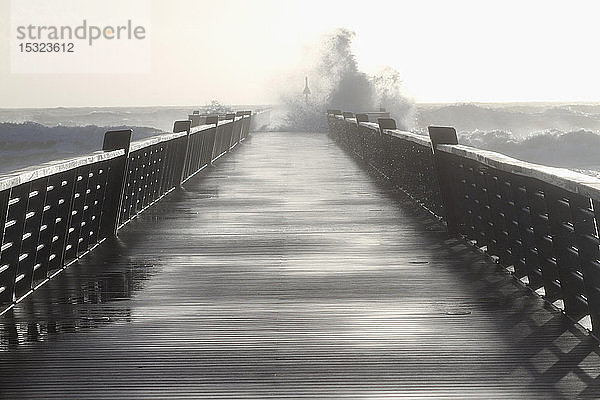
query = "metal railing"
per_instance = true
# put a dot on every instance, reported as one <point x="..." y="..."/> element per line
<point x="541" y="223"/>
<point x="403" y="157"/>
<point x="53" y="214"/>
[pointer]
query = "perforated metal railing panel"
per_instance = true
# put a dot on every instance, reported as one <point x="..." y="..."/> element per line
<point x="289" y="272"/>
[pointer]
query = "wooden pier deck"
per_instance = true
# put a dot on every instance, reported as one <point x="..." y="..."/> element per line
<point x="288" y="271"/>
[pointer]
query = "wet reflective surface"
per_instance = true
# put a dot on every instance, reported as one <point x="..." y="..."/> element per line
<point x="289" y="274"/>
<point x="88" y="294"/>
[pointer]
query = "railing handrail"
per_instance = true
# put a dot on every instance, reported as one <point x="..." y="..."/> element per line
<point x="222" y="118"/>
<point x="52" y="214"/>
<point x="28" y="174"/>
<point x="200" y="128"/>
<point x="410" y="136"/>
<point x="140" y="144"/>
<point x="400" y="134"/>
<point x="370" y="125"/>
<point x="564" y="178"/>
<point x="541" y="223"/>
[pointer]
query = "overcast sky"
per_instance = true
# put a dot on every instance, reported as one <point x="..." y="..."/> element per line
<point x="236" y="52"/>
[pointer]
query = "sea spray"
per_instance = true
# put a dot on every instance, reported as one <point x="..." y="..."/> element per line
<point x="336" y="82"/>
<point x="388" y="91"/>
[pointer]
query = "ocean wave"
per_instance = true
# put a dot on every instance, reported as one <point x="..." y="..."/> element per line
<point x="520" y="120"/>
<point x="31" y="143"/>
<point x="156" y="117"/>
<point x="576" y="149"/>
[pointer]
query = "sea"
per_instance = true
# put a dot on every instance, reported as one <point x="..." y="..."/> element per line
<point x="32" y="136"/>
<point x="555" y="134"/>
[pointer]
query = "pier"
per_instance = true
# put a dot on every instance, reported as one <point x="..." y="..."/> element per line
<point x="223" y="262"/>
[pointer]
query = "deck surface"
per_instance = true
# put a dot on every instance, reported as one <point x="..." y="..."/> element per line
<point x="288" y="271"/>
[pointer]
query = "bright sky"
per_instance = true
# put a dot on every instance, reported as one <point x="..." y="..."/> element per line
<point x="236" y="50"/>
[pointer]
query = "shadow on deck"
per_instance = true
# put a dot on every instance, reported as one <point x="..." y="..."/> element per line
<point x="289" y="271"/>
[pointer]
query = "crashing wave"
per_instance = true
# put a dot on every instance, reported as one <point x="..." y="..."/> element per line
<point x="337" y="82"/>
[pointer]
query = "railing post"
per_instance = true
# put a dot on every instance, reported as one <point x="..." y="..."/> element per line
<point x="115" y="185"/>
<point x="445" y="135"/>
<point x="333" y="123"/>
<point x="386" y="123"/>
<point x="380" y="151"/>
<point x="194" y="118"/>
<point x="183" y="126"/>
<point x="240" y="126"/>
<point x="362" y="118"/>
<point x="247" y="124"/>
<point x="213" y="119"/>
<point x="230" y="130"/>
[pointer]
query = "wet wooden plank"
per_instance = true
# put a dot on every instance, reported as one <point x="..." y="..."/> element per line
<point x="289" y="272"/>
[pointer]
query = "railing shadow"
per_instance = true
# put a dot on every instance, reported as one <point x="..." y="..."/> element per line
<point x="90" y="293"/>
<point x="555" y="355"/>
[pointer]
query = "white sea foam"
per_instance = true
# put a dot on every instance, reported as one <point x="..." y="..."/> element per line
<point x="336" y="82"/>
<point x="558" y="135"/>
<point x="570" y="149"/>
